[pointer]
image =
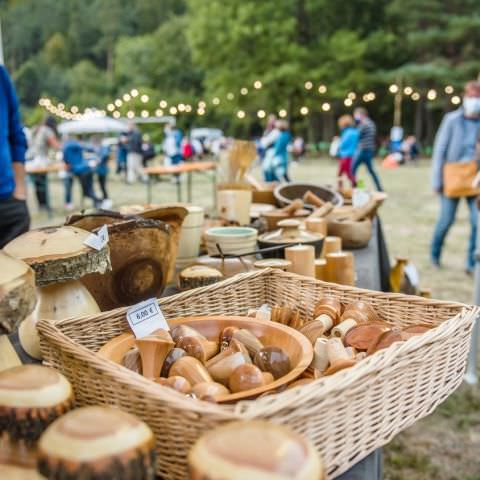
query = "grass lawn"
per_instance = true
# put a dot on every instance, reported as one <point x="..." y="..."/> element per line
<point x="445" y="445"/>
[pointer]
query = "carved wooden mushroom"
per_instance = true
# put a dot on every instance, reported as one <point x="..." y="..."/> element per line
<point x="254" y="449"/>
<point x="31" y="397"/>
<point x="97" y="443"/>
<point x="59" y="258"/>
<point x="17" y="292"/>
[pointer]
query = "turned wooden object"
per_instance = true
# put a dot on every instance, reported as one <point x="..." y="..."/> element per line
<point x="320" y="269"/>
<point x="302" y="258"/>
<point x="361" y="312"/>
<point x="320" y="360"/>
<point x="317" y="225"/>
<point x="322" y="211"/>
<point x="315" y="200"/>
<point x="199" y="348"/>
<point x="340" y="268"/>
<point x="328" y="311"/>
<point x="254" y="450"/>
<point x="290" y="209"/>
<point x="366" y="211"/>
<point x="362" y="337"/>
<point x="245" y="377"/>
<point x="331" y="245"/>
<point x="387" y="338"/>
<point x="97" y="443"/>
<point x="222" y="369"/>
<point x="59" y="258"/>
<point x="154" y="349"/>
<point x="17" y="292"/>
<point x="191" y="369"/>
<point x="338" y="356"/>
<point x="278" y="263"/>
<point x="210" y="390"/>
<point x="273" y="360"/>
<point x="31" y="397"/>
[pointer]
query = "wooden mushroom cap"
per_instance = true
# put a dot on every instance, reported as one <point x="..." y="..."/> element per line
<point x="254" y="449"/>
<point x="362" y="337"/>
<point x="58" y="254"/>
<point x="95" y="441"/>
<point x="17" y="292"/>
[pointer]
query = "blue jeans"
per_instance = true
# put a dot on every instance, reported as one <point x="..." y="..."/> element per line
<point x="366" y="157"/>
<point x="448" y="210"/>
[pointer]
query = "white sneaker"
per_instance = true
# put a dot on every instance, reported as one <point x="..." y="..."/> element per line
<point x="107" y="204"/>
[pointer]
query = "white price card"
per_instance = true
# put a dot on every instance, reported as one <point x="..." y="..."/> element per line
<point x="97" y="240"/>
<point x="146" y="317"/>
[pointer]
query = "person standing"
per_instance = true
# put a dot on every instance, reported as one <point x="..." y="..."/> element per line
<point x="171" y="146"/>
<point x="44" y="138"/>
<point x="366" y="148"/>
<point x="275" y="164"/>
<point x="347" y="147"/>
<point x="134" y="155"/>
<point x="455" y="144"/>
<point x="14" y="217"/>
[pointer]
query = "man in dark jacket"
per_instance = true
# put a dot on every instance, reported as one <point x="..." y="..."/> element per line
<point x="14" y="217"/>
<point x="134" y="155"/>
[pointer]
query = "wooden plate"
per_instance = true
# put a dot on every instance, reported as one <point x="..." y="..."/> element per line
<point x="296" y="345"/>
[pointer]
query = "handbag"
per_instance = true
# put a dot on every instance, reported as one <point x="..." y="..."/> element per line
<point x="458" y="179"/>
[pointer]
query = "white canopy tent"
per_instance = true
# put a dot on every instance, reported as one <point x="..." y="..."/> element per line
<point x="92" y="125"/>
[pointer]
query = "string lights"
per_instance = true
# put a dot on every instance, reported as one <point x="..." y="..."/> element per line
<point x="113" y="108"/>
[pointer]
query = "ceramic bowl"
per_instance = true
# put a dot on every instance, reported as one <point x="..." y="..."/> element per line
<point x="237" y="240"/>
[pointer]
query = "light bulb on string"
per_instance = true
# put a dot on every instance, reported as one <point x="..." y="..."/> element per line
<point x="159" y="112"/>
<point x="415" y="96"/>
<point x="116" y="114"/>
<point x="257" y="84"/>
<point x="322" y="89"/>
<point x="282" y="113"/>
<point x="200" y="111"/>
<point x="144" y="98"/>
<point x="432" y="94"/>
<point x="408" y="90"/>
<point x="456" y="100"/>
<point x="244" y="91"/>
<point x="118" y="102"/>
<point x="352" y="95"/>
<point x="202" y="105"/>
<point x="230" y="96"/>
<point x="304" y="110"/>
<point x="60" y="106"/>
<point x="134" y="92"/>
<point x="130" y="114"/>
<point x="261" y="114"/>
<point x="241" y="114"/>
<point x="188" y="108"/>
<point x="181" y="107"/>
<point x="74" y="109"/>
<point x="393" y="88"/>
<point x="110" y="107"/>
<point x="216" y="101"/>
<point x="449" y="89"/>
<point x="173" y="110"/>
<point x="308" y="85"/>
<point x="348" y="102"/>
<point x="144" y="113"/>
<point x="326" y="107"/>
<point x="127" y="97"/>
<point x="163" y="104"/>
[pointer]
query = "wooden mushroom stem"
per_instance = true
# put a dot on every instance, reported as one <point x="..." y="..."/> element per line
<point x="153" y="351"/>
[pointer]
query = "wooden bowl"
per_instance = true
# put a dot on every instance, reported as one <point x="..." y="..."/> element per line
<point x="353" y="234"/>
<point x="296" y="345"/>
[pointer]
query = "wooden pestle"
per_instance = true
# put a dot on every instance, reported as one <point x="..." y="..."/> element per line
<point x="315" y="200"/>
<point x="322" y="211"/>
<point x="296" y="204"/>
<point x="153" y="350"/>
<point x="362" y="212"/>
<point x="338" y="356"/>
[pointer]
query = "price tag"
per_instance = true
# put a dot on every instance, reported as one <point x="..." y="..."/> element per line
<point x="97" y="240"/>
<point x="146" y="317"/>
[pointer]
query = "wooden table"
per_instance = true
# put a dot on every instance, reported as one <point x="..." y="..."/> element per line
<point x="33" y="170"/>
<point x="187" y="168"/>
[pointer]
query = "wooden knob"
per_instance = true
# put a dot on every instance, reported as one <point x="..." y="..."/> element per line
<point x="122" y="444"/>
<point x="302" y="258"/>
<point x="331" y="245"/>
<point x="254" y="449"/>
<point x="340" y="268"/>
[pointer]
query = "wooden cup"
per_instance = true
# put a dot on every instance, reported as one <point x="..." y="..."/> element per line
<point x="317" y="225"/>
<point x="340" y="268"/>
<point x="302" y="258"/>
<point x="331" y="245"/>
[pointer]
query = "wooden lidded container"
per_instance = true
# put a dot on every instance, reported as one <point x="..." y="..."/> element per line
<point x="254" y="450"/>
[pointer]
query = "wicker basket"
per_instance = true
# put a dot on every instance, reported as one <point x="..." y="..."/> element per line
<point x="347" y="415"/>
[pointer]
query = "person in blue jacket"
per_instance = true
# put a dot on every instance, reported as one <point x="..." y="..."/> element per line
<point x="79" y="168"/>
<point x="14" y="217"/>
<point x="276" y="159"/>
<point x="347" y="147"/>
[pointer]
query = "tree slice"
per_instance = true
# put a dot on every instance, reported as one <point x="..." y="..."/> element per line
<point x="58" y="254"/>
<point x="97" y="443"/>
<point x="254" y="449"/>
<point x="17" y="292"/>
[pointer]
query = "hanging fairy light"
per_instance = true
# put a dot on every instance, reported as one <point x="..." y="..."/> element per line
<point x="201" y="111"/>
<point x="244" y="91"/>
<point x="241" y="114"/>
<point x="393" y="88"/>
<point x="326" y="107"/>
<point x="432" y="94"/>
<point x="127" y="97"/>
<point x="163" y="104"/>
<point x="415" y="96"/>
<point x="456" y="100"/>
<point x="449" y="89"/>
<point x="130" y="114"/>
<point x="261" y="114"/>
<point x="173" y="110"/>
<point x="60" y="106"/>
<point x="144" y="98"/>
<point x="348" y="102"/>
<point x="202" y="105"/>
<point x="188" y="108"/>
<point x="144" y="113"/>
<point x="257" y="84"/>
<point x="118" y="102"/>
<point x="116" y="114"/>
<point x="216" y="101"/>
<point x="134" y="92"/>
<point x="110" y="107"/>
<point x="159" y="112"/>
<point x="304" y="110"/>
<point x="408" y="90"/>
<point x="181" y="107"/>
<point x="230" y="96"/>
<point x="74" y="109"/>
<point x="282" y="113"/>
<point x="322" y="89"/>
<point x="352" y="95"/>
<point x="308" y="85"/>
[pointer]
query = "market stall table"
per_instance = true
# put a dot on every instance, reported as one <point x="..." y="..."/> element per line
<point x="33" y="170"/>
<point x="183" y="168"/>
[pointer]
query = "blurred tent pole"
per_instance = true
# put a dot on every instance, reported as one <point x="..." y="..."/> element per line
<point x="1" y="45"/>
<point x="471" y="376"/>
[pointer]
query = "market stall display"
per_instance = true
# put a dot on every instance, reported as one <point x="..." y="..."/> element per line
<point x="310" y="406"/>
<point x="60" y="257"/>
